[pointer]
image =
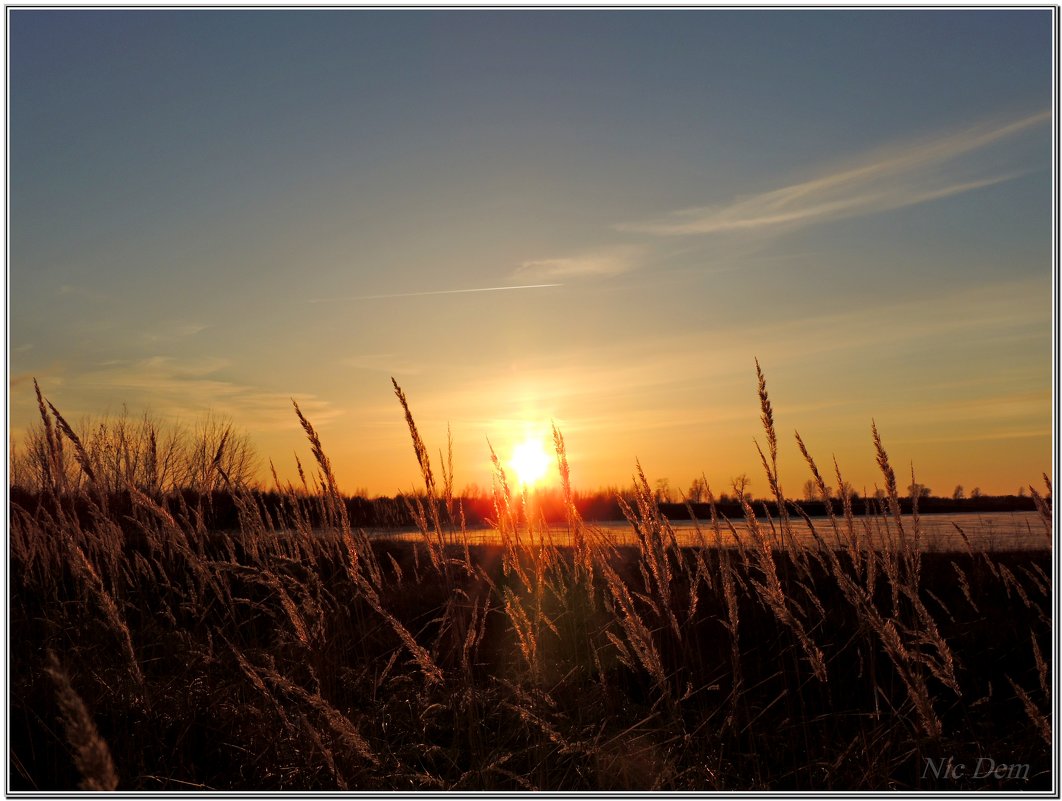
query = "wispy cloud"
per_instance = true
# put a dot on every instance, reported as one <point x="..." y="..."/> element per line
<point x="382" y="363"/>
<point x="72" y="290"/>
<point x="880" y="181"/>
<point x="173" y="331"/>
<point x="187" y="388"/>
<point x="432" y="292"/>
<point x="20" y="380"/>
<point x="599" y="262"/>
<point x="579" y="385"/>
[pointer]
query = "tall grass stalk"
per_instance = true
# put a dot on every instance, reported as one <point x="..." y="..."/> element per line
<point x="91" y="754"/>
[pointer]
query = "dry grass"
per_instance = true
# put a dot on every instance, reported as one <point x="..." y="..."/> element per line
<point x="90" y="753"/>
<point x="298" y="653"/>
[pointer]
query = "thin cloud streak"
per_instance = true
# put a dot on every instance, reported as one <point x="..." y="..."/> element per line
<point x="588" y="377"/>
<point x="606" y="261"/>
<point x="82" y="292"/>
<point x="433" y="292"/>
<point x="885" y="181"/>
<point x="382" y="363"/>
<point x="186" y="388"/>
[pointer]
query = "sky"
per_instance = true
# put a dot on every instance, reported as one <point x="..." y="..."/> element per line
<point x="594" y="219"/>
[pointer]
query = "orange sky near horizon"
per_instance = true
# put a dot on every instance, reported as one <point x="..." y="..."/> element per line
<point x="995" y="440"/>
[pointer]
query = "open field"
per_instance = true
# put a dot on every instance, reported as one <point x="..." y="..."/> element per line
<point x="149" y="652"/>
<point x="990" y="531"/>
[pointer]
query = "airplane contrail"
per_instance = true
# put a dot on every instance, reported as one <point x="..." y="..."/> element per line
<point x="434" y="292"/>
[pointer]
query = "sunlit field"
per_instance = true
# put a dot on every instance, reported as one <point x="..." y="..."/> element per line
<point x="991" y="531"/>
<point x="867" y="647"/>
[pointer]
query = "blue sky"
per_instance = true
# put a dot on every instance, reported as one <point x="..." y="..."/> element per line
<point x="204" y="204"/>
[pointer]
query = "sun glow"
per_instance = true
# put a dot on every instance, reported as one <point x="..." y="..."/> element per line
<point x="530" y="461"/>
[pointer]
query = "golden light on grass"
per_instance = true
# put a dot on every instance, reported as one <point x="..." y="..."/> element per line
<point x="530" y="460"/>
<point x="550" y="634"/>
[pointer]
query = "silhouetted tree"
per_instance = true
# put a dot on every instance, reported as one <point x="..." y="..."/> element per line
<point x="740" y="484"/>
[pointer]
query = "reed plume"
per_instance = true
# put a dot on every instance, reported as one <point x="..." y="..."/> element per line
<point x="91" y="754"/>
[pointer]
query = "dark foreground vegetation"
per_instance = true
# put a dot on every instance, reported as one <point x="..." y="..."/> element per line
<point x="152" y="652"/>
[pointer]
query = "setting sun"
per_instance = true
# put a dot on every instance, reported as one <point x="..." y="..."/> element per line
<point x="530" y="461"/>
